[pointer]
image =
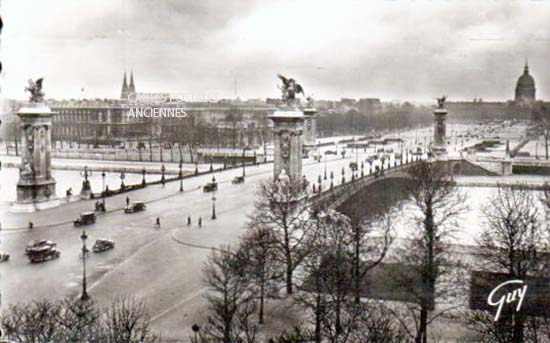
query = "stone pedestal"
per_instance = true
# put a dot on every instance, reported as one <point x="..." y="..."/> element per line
<point x="36" y="186"/>
<point x="287" y="134"/>
<point x="440" y="131"/>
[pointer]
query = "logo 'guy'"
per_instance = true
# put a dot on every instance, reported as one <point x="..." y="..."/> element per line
<point x="517" y="294"/>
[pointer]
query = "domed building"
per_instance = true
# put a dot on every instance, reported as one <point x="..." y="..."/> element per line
<point x="525" y="87"/>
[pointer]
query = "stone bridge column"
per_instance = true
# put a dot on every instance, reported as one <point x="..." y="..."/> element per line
<point x="310" y="128"/>
<point x="287" y="135"/>
<point x="440" y="130"/>
<point x="36" y="186"/>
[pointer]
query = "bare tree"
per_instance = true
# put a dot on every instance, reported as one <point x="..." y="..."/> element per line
<point x="371" y="240"/>
<point x="127" y="320"/>
<point x="282" y="207"/>
<point x="35" y="322"/>
<point x="437" y="203"/>
<point x="79" y="321"/>
<point x="511" y="243"/>
<point x="229" y="297"/>
<point x="258" y="247"/>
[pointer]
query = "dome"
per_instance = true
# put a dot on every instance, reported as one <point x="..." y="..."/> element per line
<point x="525" y="87"/>
<point x="526" y="80"/>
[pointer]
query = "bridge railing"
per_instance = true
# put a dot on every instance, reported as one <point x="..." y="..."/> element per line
<point x="335" y="194"/>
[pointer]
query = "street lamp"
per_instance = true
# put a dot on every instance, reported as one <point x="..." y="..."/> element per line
<point x="143" y="182"/>
<point x="181" y="177"/>
<point x="244" y="161"/>
<point x="103" y="189"/>
<point x="325" y="176"/>
<point x="122" y="176"/>
<point x="86" y="184"/>
<point x="84" y="295"/>
<point x="214" y="199"/>
<point x="162" y="170"/>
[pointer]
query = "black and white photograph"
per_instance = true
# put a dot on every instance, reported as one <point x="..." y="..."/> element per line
<point x="274" y="171"/>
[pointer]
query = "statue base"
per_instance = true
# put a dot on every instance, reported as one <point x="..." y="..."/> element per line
<point x="35" y="196"/>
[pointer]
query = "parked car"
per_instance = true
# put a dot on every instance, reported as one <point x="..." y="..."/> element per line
<point x="39" y="244"/>
<point x="237" y="179"/>
<point x="102" y="245"/>
<point x="85" y="219"/>
<point x="331" y="152"/>
<point x="136" y="206"/>
<point x="42" y="254"/>
<point x="4" y="256"/>
<point x="210" y="187"/>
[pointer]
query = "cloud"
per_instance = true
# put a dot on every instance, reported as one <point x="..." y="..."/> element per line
<point x="391" y="49"/>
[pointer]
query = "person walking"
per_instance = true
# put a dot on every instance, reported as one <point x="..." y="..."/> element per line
<point x="127" y="201"/>
<point x="157" y="224"/>
<point x="200" y="221"/>
<point x="188" y="220"/>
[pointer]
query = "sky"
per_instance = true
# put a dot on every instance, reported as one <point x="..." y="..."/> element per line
<point x="390" y="49"/>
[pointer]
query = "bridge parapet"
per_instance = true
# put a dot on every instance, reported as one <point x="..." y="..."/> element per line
<point x="336" y="195"/>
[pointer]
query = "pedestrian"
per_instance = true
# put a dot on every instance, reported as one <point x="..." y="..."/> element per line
<point x="188" y="220"/>
<point x="31" y="225"/>
<point x="200" y="221"/>
<point x="158" y="223"/>
<point x="127" y="201"/>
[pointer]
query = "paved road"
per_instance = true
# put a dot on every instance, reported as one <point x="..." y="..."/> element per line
<point x="161" y="266"/>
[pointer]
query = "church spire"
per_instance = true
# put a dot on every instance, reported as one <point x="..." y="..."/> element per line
<point x="124" y="92"/>
<point x="132" y="88"/>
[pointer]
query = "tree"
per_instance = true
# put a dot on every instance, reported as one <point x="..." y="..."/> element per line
<point x="370" y="250"/>
<point x="511" y="243"/>
<point x="258" y="247"/>
<point x="330" y="286"/>
<point x="127" y="320"/>
<point x="79" y="321"/>
<point x="437" y="203"/>
<point x="35" y="322"/>
<point x="229" y="298"/>
<point x="282" y="207"/>
<point x="541" y="116"/>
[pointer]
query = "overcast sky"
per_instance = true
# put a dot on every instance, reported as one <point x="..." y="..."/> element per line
<point x="391" y="49"/>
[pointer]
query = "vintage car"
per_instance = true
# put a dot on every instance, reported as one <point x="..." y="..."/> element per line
<point x="101" y="245"/>
<point x="237" y="179"/>
<point x="331" y="152"/>
<point x="85" y="219"/>
<point x="137" y="206"/>
<point x="42" y="254"/>
<point x="39" y="244"/>
<point x="4" y="256"/>
<point x="210" y="187"/>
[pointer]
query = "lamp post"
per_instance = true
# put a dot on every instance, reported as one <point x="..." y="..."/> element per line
<point x="122" y="176"/>
<point x="325" y="176"/>
<point x="103" y="189"/>
<point x="244" y="161"/>
<point x="143" y="182"/>
<point x="214" y="199"/>
<point x="84" y="295"/>
<point x="181" y="177"/>
<point x="86" y="184"/>
<point x="162" y="178"/>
